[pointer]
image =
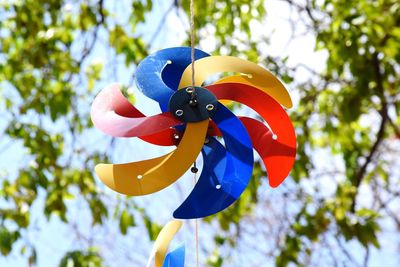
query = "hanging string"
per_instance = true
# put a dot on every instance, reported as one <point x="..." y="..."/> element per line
<point x="196" y="231"/>
<point x="193" y="99"/>
<point x="192" y="43"/>
<point x="193" y="95"/>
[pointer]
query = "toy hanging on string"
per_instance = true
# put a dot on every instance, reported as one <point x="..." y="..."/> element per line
<point x="165" y="78"/>
<point x="174" y="258"/>
<point x="191" y="119"/>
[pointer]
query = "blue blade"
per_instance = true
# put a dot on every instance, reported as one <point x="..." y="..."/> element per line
<point x="233" y="175"/>
<point x="175" y="258"/>
<point x="214" y="155"/>
<point x="158" y="79"/>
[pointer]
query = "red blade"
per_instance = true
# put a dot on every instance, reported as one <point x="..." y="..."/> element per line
<point x="172" y="136"/>
<point x="278" y="155"/>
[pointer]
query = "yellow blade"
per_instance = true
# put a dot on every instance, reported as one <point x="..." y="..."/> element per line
<point x="258" y="76"/>
<point x="149" y="176"/>
<point x="163" y="240"/>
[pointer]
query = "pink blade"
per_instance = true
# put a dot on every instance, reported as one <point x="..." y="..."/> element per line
<point x="113" y="114"/>
<point x="278" y="155"/>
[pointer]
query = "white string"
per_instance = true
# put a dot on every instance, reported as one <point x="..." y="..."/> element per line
<point x="193" y="96"/>
<point x="192" y="40"/>
<point x="196" y="230"/>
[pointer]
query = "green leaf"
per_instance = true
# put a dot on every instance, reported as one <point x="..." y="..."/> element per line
<point x="126" y="220"/>
<point x="77" y="258"/>
<point x="7" y="239"/>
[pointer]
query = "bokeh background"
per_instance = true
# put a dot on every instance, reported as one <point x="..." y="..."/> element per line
<point x="340" y="60"/>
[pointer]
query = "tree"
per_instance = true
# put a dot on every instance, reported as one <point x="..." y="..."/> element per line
<point x="348" y="114"/>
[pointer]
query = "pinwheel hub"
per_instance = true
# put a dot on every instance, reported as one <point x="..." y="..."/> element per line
<point x="192" y="104"/>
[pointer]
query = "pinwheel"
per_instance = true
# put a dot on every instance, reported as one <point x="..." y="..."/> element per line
<point x="175" y="258"/>
<point x="193" y="118"/>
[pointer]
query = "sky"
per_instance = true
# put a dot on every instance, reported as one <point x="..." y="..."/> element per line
<point x="54" y="238"/>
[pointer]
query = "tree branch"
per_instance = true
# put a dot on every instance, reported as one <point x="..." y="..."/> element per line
<point x="395" y="127"/>
<point x="88" y="50"/>
<point x="161" y="23"/>
<point x="381" y="132"/>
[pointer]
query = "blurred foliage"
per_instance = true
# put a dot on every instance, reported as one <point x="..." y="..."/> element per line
<point x="45" y="73"/>
<point x="356" y="106"/>
<point x="82" y="259"/>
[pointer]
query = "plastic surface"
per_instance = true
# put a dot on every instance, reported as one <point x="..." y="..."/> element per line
<point x="172" y="136"/>
<point x="260" y="77"/>
<point x="221" y="184"/>
<point x="112" y="113"/>
<point x="168" y="137"/>
<point x="149" y="176"/>
<point x="227" y="170"/>
<point x="202" y="109"/>
<point x="175" y="258"/>
<point x="158" y="75"/>
<point x="162" y="242"/>
<point x="278" y="155"/>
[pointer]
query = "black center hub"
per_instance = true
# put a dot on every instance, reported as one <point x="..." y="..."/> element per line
<point x="192" y="104"/>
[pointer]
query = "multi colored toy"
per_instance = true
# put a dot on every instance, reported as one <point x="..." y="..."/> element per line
<point x="193" y="118"/>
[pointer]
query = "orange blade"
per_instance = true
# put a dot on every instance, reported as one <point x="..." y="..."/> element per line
<point x="162" y="242"/>
<point x="256" y="75"/>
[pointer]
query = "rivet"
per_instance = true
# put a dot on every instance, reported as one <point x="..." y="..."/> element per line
<point x="179" y="112"/>
<point x="189" y="90"/>
<point x="210" y="107"/>
<point x="176" y="136"/>
<point x="274" y="137"/>
<point x="193" y="102"/>
<point x="169" y="62"/>
<point x="140" y="176"/>
<point x="218" y="186"/>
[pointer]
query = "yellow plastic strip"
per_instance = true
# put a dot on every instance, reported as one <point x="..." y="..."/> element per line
<point x="149" y="176"/>
<point x="255" y="76"/>
<point x="163" y="240"/>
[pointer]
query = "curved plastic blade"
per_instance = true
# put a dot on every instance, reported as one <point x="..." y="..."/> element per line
<point x="172" y="136"/>
<point x="149" y="176"/>
<point x="168" y="137"/>
<point x="162" y="242"/>
<point x="260" y="77"/>
<point x="208" y="197"/>
<point x="158" y="75"/>
<point x="278" y="157"/>
<point x="113" y="114"/>
<point x="175" y="258"/>
<point x="279" y="161"/>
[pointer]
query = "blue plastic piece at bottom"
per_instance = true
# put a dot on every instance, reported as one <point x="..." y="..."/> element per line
<point x="220" y="184"/>
<point x="175" y="258"/>
<point x="159" y="74"/>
